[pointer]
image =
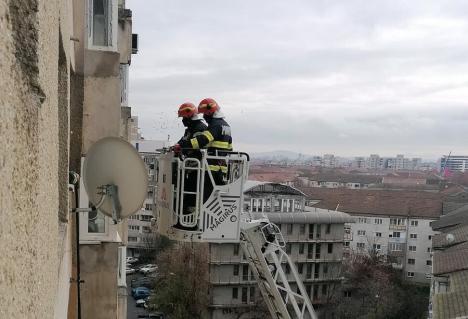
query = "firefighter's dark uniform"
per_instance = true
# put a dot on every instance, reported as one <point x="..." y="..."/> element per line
<point x="216" y="139"/>
<point x="195" y="128"/>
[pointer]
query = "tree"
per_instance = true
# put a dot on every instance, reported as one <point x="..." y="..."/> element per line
<point x="373" y="289"/>
<point x="153" y="245"/>
<point x="183" y="284"/>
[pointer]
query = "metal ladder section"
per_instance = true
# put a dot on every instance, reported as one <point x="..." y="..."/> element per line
<point x="262" y="243"/>
<point x="189" y="219"/>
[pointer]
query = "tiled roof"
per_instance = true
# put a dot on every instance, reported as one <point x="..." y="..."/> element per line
<point x="460" y="235"/>
<point x="378" y="202"/>
<point x="452" y="304"/>
<point x="345" y="178"/>
<point x="448" y="261"/>
<point x="457" y="217"/>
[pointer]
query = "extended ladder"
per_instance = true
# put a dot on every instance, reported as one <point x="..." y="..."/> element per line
<point x="262" y="243"/>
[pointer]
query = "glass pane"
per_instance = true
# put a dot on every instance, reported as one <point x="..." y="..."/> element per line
<point x="101" y="18"/>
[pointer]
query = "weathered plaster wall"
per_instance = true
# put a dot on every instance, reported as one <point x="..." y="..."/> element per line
<point x="31" y="251"/>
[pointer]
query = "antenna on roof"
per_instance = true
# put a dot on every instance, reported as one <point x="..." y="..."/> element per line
<point x="336" y="209"/>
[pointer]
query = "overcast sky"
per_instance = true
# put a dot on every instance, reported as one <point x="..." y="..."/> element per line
<point x="345" y="77"/>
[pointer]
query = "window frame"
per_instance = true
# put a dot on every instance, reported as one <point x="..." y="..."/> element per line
<point x="112" y="26"/>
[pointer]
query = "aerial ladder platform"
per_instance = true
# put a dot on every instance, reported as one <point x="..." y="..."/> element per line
<point x="195" y="206"/>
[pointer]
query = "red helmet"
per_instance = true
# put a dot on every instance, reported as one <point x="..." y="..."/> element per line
<point x="187" y="110"/>
<point x="208" y="106"/>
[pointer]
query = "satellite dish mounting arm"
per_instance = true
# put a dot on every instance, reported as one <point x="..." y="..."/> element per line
<point x="112" y="191"/>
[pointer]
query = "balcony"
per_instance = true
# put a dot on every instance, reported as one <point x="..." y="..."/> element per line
<point x="397" y="227"/>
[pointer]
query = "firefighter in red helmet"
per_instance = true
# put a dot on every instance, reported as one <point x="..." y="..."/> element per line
<point x="192" y="121"/>
<point x="216" y="139"/>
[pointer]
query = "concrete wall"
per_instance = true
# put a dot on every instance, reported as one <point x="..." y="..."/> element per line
<point x="99" y="265"/>
<point x="35" y="261"/>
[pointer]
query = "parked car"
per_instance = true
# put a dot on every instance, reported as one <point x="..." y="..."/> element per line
<point x="131" y="260"/>
<point x="148" y="269"/>
<point x="153" y="315"/>
<point x="130" y="271"/>
<point x="140" y="303"/>
<point x="146" y="282"/>
<point x="140" y="293"/>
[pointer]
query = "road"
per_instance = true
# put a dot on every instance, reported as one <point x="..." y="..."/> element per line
<point x="132" y="310"/>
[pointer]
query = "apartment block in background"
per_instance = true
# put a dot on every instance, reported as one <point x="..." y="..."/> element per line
<point x="396" y="224"/>
<point x="314" y="241"/>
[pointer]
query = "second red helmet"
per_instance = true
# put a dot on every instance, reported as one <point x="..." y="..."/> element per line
<point x="208" y="106"/>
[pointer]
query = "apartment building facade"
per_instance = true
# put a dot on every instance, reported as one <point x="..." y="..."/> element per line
<point x="351" y="181"/>
<point x="314" y="241"/>
<point x="61" y="92"/>
<point x="405" y="241"/>
<point x="455" y="163"/>
<point x="395" y="224"/>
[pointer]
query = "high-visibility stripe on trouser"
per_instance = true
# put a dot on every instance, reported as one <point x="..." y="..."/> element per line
<point x="216" y="168"/>
<point x="221" y="145"/>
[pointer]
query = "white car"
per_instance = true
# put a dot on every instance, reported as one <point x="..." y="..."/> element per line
<point x="130" y="271"/>
<point x="131" y="260"/>
<point x="148" y="269"/>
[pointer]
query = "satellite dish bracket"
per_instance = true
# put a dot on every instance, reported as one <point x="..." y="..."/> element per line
<point x="111" y="191"/>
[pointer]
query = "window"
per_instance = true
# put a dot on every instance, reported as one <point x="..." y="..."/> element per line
<point x="360" y="245"/>
<point x="429" y="237"/>
<point x="413" y="236"/>
<point x="346" y="243"/>
<point x="429" y="249"/>
<point x="414" y="223"/>
<point x="302" y="229"/>
<point x="309" y="271"/>
<point x="146" y="229"/>
<point x="411" y="261"/>
<point x="324" y="290"/>
<point x="317" y="251"/>
<point x="361" y="232"/>
<point x="376" y="247"/>
<point x="132" y="239"/>
<point x="133" y="227"/>
<point x="311" y="231"/>
<point x="252" y="294"/>
<point x="310" y="249"/>
<point x="325" y="268"/>
<point x="395" y="247"/>
<point x="235" y="293"/>
<point x="397" y="221"/>
<point x="330" y="248"/>
<point x="315" y="295"/>
<point x="300" y="268"/>
<point x="287" y="269"/>
<point x="362" y="220"/>
<point x="347" y="294"/>
<point x="236" y="270"/>
<point x="328" y="229"/>
<point x="412" y="248"/>
<point x="378" y="221"/>
<point x="378" y="234"/>
<point x="148" y="207"/>
<point x="301" y="248"/>
<point x="428" y="262"/>
<point x="395" y="234"/>
<point x="245" y="272"/>
<point x="410" y="274"/>
<point x="236" y="250"/>
<point x="319" y="231"/>
<point x="317" y="271"/>
<point x="102" y="25"/>
<point x="289" y="229"/>
<point x="145" y="218"/>
<point x="244" y="294"/>
<point x="288" y="248"/>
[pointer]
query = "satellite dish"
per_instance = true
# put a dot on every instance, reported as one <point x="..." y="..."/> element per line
<point x="115" y="178"/>
<point x="450" y="238"/>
